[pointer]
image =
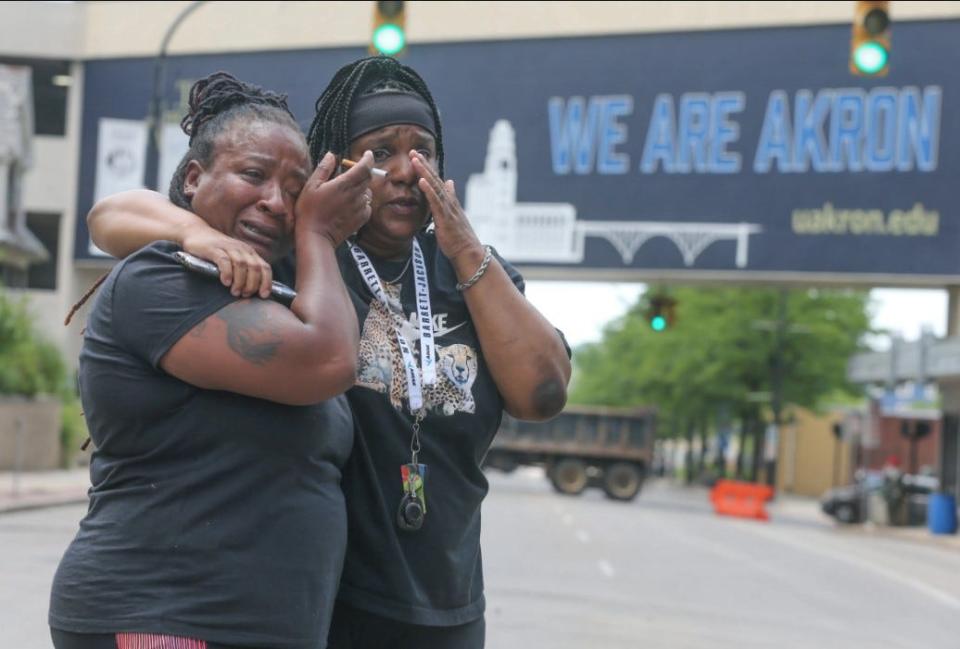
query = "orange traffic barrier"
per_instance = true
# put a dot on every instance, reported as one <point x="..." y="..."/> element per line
<point x="743" y="499"/>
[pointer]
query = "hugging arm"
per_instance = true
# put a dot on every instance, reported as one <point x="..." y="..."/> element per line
<point x="125" y="222"/>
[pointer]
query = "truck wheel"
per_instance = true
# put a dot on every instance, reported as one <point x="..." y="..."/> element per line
<point x="622" y="481"/>
<point x="569" y="476"/>
<point x="501" y="461"/>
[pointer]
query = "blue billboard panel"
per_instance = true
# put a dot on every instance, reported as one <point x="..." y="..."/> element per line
<point x="736" y="154"/>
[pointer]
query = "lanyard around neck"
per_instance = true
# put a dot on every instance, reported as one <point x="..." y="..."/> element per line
<point x="427" y="373"/>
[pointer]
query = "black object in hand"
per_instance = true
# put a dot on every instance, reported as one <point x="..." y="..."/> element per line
<point x="279" y="292"/>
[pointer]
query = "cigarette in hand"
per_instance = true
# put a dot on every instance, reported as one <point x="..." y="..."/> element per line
<point x="346" y="163"/>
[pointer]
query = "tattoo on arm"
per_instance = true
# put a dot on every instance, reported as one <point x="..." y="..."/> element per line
<point x="249" y="330"/>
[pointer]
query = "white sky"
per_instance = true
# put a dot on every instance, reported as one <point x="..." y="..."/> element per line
<point x="581" y="309"/>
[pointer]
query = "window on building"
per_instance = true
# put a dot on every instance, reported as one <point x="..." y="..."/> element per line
<point x="51" y="82"/>
<point x="45" y="227"/>
<point x="12" y="198"/>
<point x="12" y="277"/>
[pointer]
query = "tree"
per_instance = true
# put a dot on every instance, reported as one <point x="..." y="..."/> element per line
<point x="737" y="350"/>
<point x="28" y="365"/>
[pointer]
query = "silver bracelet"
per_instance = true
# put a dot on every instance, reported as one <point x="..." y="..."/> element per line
<point x="488" y="255"/>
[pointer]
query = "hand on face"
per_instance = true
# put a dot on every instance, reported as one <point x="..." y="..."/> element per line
<point x="339" y="207"/>
<point x="399" y="206"/>
<point x="455" y="236"/>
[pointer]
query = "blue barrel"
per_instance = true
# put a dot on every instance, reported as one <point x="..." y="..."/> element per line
<point x="942" y="514"/>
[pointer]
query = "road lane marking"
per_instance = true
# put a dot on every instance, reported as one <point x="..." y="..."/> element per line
<point x="941" y="596"/>
<point x="606" y="568"/>
<point x="583" y="536"/>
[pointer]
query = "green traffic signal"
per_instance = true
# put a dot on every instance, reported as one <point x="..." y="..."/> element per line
<point x="389" y="39"/>
<point x="870" y="39"/>
<point x="870" y="57"/>
<point x="658" y="323"/>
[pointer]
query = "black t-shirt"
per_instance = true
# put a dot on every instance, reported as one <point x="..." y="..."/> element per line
<point x="212" y="515"/>
<point x="432" y="576"/>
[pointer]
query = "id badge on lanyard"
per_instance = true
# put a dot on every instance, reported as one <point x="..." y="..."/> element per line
<point x="413" y="502"/>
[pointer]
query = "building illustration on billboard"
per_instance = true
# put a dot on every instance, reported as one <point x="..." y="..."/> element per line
<point x="551" y="233"/>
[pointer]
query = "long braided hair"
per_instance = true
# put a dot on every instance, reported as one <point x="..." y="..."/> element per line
<point x="216" y="101"/>
<point x="330" y="128"/>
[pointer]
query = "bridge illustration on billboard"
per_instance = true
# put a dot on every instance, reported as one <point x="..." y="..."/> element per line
<point x="550" y="232"/>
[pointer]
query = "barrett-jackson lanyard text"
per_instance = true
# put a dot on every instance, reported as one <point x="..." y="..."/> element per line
<point x="427" y="357"/>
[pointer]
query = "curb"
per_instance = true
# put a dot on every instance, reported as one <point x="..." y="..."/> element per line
<point x="41" y="501"/>
<point x="915" y="534"/>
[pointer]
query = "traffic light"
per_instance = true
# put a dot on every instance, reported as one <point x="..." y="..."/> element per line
<point x="660" y="312"/>
<point x="870" y="41"/>
<point x="389" y="29"/>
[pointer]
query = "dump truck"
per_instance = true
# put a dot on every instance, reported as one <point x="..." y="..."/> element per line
<point x="583" y="446"/>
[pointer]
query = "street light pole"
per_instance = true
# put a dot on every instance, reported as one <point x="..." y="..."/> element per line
<point x="156" y="113"/>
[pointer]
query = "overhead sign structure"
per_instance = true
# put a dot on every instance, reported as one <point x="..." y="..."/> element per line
<point x="636" y="161"/>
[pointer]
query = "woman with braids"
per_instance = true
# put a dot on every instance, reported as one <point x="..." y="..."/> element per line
<point x="216" y="516"/>
<point x="448" y="342"/>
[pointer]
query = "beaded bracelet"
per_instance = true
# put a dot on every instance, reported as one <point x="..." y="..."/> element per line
<point x="487" y="256"/>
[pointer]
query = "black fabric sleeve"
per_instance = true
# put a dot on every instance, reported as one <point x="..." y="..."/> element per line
<point x="155" y="301"/>
<point x="521" y="285"/>
<point x="512" y="272"/>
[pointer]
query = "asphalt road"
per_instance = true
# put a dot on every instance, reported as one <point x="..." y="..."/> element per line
<point x="665" y="572"/>
<point x="660" y="572"/>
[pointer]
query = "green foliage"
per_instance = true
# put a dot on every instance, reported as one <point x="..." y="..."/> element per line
<point x="28" y="364"/>
<point x="728" y="348"/>
<point x="73" y="430"/>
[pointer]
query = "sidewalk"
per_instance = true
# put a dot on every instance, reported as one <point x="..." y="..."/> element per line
<point x="788" y="508"/>
<point x="35" y="489"/>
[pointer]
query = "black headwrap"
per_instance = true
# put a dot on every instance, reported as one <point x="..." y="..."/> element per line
<point x="388" y="108"/>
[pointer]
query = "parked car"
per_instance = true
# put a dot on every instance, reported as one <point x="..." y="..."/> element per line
<point x="906" y="498"/>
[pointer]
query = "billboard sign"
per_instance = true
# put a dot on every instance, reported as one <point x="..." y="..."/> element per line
<point x="735" y="155"/>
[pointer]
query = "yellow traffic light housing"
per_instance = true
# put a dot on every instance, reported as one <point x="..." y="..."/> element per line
<point x="660" y="312"/>
<point x="870" y="40"/>
<point x="389" y="35"/>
